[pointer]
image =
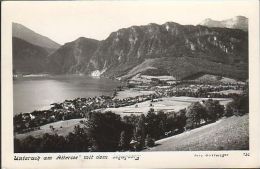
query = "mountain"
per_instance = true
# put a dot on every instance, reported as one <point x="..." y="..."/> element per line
<point x="168" y="49"/>
<point x="73" y="57"/>
<point x="171" y="48"/>
<point x="28" y="58"/>
<point x="182" y="51"/>
<point x="238" y="22"/>
<point x="26" y="34"/>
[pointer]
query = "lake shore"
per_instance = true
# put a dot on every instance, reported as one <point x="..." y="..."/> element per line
<point x="166" y="104"/>
<point x="34" y="93"/>
<point x="125" y="101"/>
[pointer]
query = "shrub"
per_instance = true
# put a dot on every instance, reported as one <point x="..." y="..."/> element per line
<point x="131" y="85"/>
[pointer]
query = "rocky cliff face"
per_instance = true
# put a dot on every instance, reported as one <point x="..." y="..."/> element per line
<point x="159" y="47"/>
<point x="238" y="22"/>
<point x="168" y="49"/>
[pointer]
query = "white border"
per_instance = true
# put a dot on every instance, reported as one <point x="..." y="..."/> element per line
<point x="147" y="160"/>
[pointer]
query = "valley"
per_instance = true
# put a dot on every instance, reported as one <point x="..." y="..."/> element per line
<point x="134" y="98"/>
<point x="140" y="89"/>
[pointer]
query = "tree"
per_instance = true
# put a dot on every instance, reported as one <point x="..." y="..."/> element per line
<point x="180" y="120"/>
<point x="242" y="104"/>
<point x="239" y="105"/>
<point x="149" y="142"/>
<point x="162" y="123"/>
<point x="52" y="128"/>
<point x="154" y="125"/>
<point x="139" y="133"/>
<point x="170" y="122"/>
<point x="214" y="110"/>
<point x="229" y="111"/>
<point x="17" y="146"/>
<point x="30" y="144"/>
<point x="78" y="141"/>
<point x="123" y="142"/>
<point x="194" y="113"/>
<point x="51" y="143"/>
<point x="104" y="130"/>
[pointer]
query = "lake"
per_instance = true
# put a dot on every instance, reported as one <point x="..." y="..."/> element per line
<point x="37" y="93"/>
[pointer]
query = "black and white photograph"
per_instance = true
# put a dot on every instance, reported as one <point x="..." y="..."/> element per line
<point x="126" y="77"/>
<point x="161" y="86"/>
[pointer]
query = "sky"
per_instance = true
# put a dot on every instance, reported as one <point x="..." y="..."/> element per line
<point x="66" y="21"/>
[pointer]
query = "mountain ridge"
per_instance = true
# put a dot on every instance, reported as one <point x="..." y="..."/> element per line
<point x="72" y="56"/>
<point x="28" y="58"/>
<point x="22" y="32"/>
<point x="125" y="49"/>
<point x="171" y="48"/>
<point x="237" y="22"/>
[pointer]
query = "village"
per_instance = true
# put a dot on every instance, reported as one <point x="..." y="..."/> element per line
<point x="136" y="97"/>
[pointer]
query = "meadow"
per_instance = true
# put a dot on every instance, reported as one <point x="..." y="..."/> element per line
<point x="226" y="134"/>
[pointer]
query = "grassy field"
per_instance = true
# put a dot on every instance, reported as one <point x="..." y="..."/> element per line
<point x="148" y="79"/>
<point x="226" y="134"/>
<point x="166" y="104"/>
<point x="61" y="128"/>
